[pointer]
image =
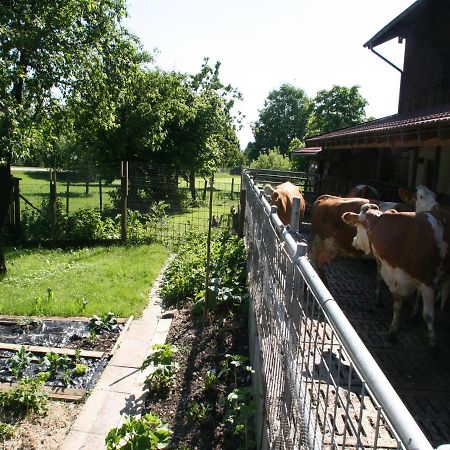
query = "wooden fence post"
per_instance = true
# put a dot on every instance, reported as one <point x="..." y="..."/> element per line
<point x="16" y="200"/>
<point x="124" y="196"/>
<point x="52" y="205"/>
<point x="67" y="192"/>
<point x="232" y="189"/>
<point x="204" y="190"/>
<point x="100" y="193"/>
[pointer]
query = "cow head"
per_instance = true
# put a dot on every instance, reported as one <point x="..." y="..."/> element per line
<point x="360" y="221"/>
<point x="407" y="196"/>
<point x="425" y="199"/>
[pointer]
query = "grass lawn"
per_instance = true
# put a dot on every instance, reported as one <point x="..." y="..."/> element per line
<point x="116" y="279"/>
<point x="35" y="187"/>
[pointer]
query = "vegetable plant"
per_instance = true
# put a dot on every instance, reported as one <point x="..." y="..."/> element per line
<point x="144" y="433"/>
<point x="164" y="373"/>
<point x="19" y="362"/>
<point x="198" y="411"/>
<point x="25" y="398"/>
<point x="240" y="414"/>
<point x="105" y="323"/>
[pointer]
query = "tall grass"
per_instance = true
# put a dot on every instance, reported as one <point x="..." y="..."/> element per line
<point x="114" y="279"/>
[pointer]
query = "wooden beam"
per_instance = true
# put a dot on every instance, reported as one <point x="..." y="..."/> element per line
<point x="60" y="351"/>
<point x="55" y="392"/>
<point x="121" y="336"/>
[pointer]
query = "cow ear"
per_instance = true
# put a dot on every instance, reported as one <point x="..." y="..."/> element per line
<point x="275" y="196"/>
<point x="406" y="195"/>
<point x="350" y="218"/>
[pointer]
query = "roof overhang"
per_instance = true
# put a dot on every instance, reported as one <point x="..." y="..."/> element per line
<point x="400" y="25"/>
<point x="306" y="151"/>
<point x="418" y="129"/>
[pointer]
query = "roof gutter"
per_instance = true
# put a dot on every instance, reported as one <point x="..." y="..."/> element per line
<point x="384" y="59"/>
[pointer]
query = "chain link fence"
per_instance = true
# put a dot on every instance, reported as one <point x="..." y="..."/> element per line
<point x="317" y="385"/>
<point x="160" y="203"/>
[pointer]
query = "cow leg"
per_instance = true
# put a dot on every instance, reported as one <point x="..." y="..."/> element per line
<point x="416" y="308"/>
<point x="445" y="290"/>
<point x="428" y="311"/>
<point x="378" y="282"/>
<point x="393" y="329"/>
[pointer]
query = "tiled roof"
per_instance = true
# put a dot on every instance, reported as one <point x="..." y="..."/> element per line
<point x="417" y="120"/>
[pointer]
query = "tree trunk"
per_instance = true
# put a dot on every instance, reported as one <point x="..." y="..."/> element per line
<point x="192" y="185"/>
<point x="5" y="200"/>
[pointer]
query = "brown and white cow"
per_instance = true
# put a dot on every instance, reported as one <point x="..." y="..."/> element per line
<point x="411" y="250"/>
<point x="364" y="191"/>
<point x="283" y="197"/>
<point x="331" y="236"/>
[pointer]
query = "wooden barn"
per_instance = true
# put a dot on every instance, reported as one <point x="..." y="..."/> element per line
<point x="411" y="147"/>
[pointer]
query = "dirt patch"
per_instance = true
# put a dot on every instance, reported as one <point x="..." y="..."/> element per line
<point x="203" y="346"/>
<point x="47" y="432"/>
<point x="103" y="342"/>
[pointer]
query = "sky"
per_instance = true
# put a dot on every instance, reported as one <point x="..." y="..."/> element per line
<point x="261" y="44"/>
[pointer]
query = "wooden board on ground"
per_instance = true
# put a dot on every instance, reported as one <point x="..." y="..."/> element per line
<point x="55" y="392"/>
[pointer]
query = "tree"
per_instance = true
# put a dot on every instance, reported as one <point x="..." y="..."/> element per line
<point x="283" y="118"/>
<point x="339" y="107"/>
<point x="273" y="159"/>
<point x="48" y="49"/>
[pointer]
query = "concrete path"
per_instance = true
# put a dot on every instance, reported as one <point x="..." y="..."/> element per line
<point x="120" y="389"/>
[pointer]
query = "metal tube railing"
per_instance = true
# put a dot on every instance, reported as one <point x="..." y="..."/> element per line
<point x="393" y="408"/>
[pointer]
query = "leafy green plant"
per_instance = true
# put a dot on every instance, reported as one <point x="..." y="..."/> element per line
<point x="161" y="354"/>
<point x="82" y="303"/>
<point x="240" y="414"/>
<point x="234" y="363"/>
<point x="80" y="369"/>
<point x="144" y="433"/>
<point x="107" y="322"/>
<point x="55" y="363"/>
<point x="164" y="373"/>
<point x="186" y="275"/>
<point x="59" y="366"/>
<point x="7" y="431"/>
<point x="198" y="412"/>
<point x="19" y="362"/>
<point x="25" y="398"/>
<point x="211" y="380"/>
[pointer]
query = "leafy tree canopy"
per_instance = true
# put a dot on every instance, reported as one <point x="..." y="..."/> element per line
<point x="283" y="118"/>
<point x="273" y="159"/>
<point x="49" y="51"/>
<point x="339" y="107"/>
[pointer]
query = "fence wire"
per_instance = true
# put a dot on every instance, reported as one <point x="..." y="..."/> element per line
<point x="312" y="393"/>
<point x="176" y="204"/>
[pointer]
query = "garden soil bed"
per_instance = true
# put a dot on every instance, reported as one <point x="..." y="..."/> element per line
<point x="43" y="433"/>
<point x="202" y="346"/>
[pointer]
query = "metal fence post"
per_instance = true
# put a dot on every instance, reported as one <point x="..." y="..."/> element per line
<point x="208" y="246"/>
<point x="242" y="203"/>
<point x="124" y="198"/>
<point x="295" y="215"/>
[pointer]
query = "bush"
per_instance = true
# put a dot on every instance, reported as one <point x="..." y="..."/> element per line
<point x="273" y="159"/>
<point x="185" y="278"/>
<point x="87" y="224"/>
